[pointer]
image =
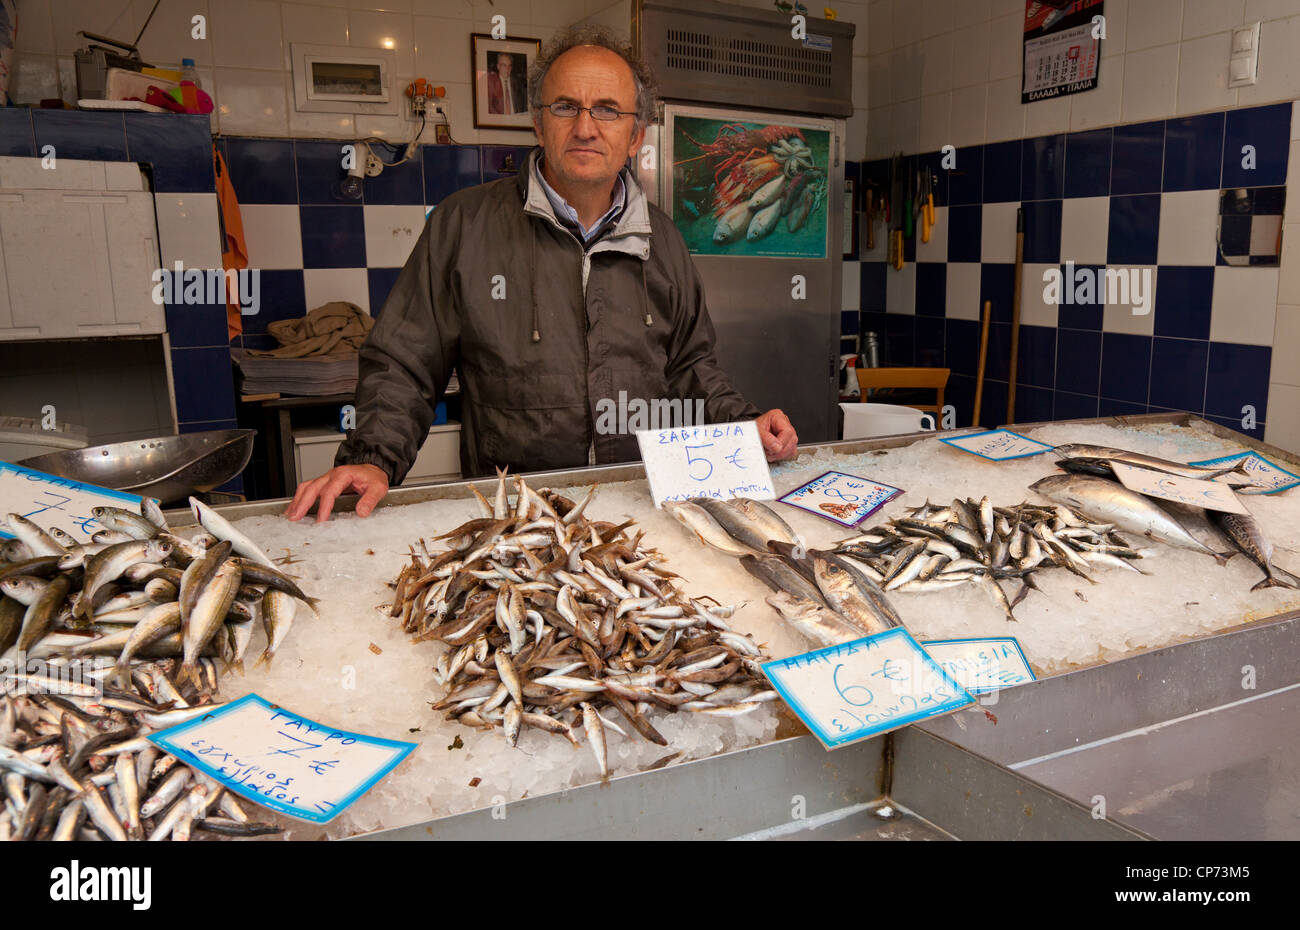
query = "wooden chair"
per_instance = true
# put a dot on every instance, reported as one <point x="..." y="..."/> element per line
<point x="870" y="379"/>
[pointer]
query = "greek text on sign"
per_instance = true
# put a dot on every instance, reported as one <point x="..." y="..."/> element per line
<point x="1265" y="476"/>
<point x="280" y="760"/>
<point x="852" y="691"/>
<point x="846" y="499"/>
<point x="982" y="665"/>
<point x="1193" y="491"/>
<point x="721" y="460"/>
<point x="51" y="501"/>
<point x="998" y="445"/>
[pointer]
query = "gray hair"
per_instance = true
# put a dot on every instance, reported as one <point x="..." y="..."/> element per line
<point x="601" y="37"/>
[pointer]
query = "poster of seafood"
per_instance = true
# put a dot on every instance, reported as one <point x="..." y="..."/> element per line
<point x="749" y="188"/>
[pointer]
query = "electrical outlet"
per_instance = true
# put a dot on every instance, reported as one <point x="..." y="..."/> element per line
<point x="1243" y="60"/>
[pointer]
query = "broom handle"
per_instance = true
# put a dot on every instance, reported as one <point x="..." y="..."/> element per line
<point x="1015" y="315"/>
<point x="984" y="351"/>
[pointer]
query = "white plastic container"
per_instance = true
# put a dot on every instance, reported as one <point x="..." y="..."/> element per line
<point x="22" y="438"/>
<point x="866" y="421"/>
<point x="439" y="457"/>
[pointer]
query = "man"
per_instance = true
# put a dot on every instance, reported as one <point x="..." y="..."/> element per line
<point x="507" y="92"/>
<point x="549" y="292"/>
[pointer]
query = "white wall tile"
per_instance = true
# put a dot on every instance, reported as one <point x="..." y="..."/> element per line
<point x="460" y="10"/>
<point x="246" y="34"/>
<point x="1279" y="64"/>
<point x="1085" y="228"/>
<point x="1286" y="346"/>
<point x="556" y="12"/>
<point x="311" y="25"/>
<point x="880" y="27"/>
<point x="998" y="236"/>
<point x="906" y="127"/>
<point x="906" y="23"/>
<point x="1044" y="117"/>
<point x="1101" y="105"/>
<point x="1282" y="428"/>
<point x="322" y="285"/>
<point x="368" y="29"/>
<point x="967" y="13"/>
<point x="441" y="48"/>
<point x="936" y="250"/>
<point x="855" y="142"/>
<point x="879" y="132"/>
<point x="391" y="232"/>
<point x="273" y="232"/>
<point x="851" y="286"/>
<point x="1206" y="17"/>
<point x="1034" y="311"/>
<point x="1006" y="46"/>
<point x="935" y="129"/>
<point x="1120" y="316"/>
<point x="1244" y="308"/>
<point x="1264" y="234"/>
<point x="936" y="16"/>
<point x="252" y="103"/>
<point x="1203" y="75"/>
<point x="188" y="231"/>
<point x="313" y="125"/>
<point x="1295" y="124"/>
<point x="936" y="64"/>
<point x="1150" y="83"/>
<point x="1269" y="9"/>
<point x="395" y="6"/>
<point x="1288" y="290"/>
<point x="900" y="289"/>
<point x="850" y="11"/>
<point x="1116" y="28"/>
<point x="969" y="110"/>
<point x="35" y="28"/>
<point x="1006" y="115"/>
<point x="1188" y="225"/>
<point x="34" y="78"/>
<point x="907" y="64"/>
<point x="1154" y="22"/>
<point x="879" y="82"/>
<point x="963" y="291"/>
<point x="861" y="81"/>
<point x="115" y="20"/>
<point x="170" y="36"/>
<point x="970" y="56"/>
<point x="1006" y="8"/>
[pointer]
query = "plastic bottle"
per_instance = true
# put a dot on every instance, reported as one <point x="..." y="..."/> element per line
<point x="189" y="72"/>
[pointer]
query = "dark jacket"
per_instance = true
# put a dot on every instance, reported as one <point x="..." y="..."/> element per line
<point x="492" y="268"/>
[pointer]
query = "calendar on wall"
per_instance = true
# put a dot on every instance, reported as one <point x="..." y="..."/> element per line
<point x="1062" y="48"/>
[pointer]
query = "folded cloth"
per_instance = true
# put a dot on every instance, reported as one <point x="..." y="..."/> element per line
<point x="336" y="328"/>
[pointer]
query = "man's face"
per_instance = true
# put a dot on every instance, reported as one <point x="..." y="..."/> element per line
<point x="504" y="65"/>
<point x="583" y="150"/>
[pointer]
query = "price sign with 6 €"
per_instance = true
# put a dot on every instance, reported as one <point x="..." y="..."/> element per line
<point x="722" y="460"/>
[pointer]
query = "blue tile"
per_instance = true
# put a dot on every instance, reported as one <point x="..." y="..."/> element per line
<point x="1234" y="236"/>
<point x="262" y="342"/>
<point x="872" y="277"/>
<point x="1193" y="152"/>
<point x="1237" y="378"/>
<point x="1137" y="162"/>
<point x="380" y="281"/>
<point x="966" y="178"/>
<point x="403" y="184"/>
<point x="1134" y="230"/>
<point x="262" y="170"/>
<point x="1042" y="174"/>
<point x="998" y="362"/>
<point x="1036" y="358"/>
<point x="447" y="169"/>
<point x="965" y="233"/>
<point x="502" y="161"/>
<point x="1268" y="201"/>
<point x="1043" y="231"/>
<point x="1183" y="297"/>
<point x="872" y="322"/>
<point x="876" y="172"/>
<point x="1001" y="172"/>
<point x="1268" y="131"/>
<point x="1074" y="406"/>
<point x="1235" y="423"/>
<point x="320" y="173"/>
<point x="1178" y="373"/>
<point x="853" y="171"/>
<point x="934" y="161"/>
<point x="198" y="325"/>
<point x="333" y="237"/>
<point x="909" y="242"/>
<point x="1088" y="315"/>
<point x="16" y="138"/>
<point x="997" y="282"/>
<point x="1078" y="361"/>
<point x="234" y="486"/>
<point x="993" y="408"/>
<point x="283" y="298"/>
<point x="81" y="134"/>
<point x="847" y="346"/>
<point x="899" y="342"/>
<point x="849" y="321"/>
<point x="1125" y="367"/>
<point x="1033" y="405"/>
<point x="205" y="388"/>
<point x="960" y="395"/>
<point x="177" y="145"/>
<point x="203" y="426"/>
<point x="931" y="288"/>
<point x="1107" y="407"/>
<point x="962" y="346"/>
<point x="1087" y="163"/>
<point x="930" y="341"/>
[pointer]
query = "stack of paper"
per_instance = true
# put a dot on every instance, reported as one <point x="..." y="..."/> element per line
<point x="310" y="376"/>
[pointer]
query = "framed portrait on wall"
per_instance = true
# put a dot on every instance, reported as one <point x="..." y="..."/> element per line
<point x="501" y="80"/>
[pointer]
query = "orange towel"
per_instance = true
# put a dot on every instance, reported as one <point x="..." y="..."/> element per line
<point x="234" y="249"/>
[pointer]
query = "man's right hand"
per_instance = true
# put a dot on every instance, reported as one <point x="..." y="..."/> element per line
<point x="370" y="481"/>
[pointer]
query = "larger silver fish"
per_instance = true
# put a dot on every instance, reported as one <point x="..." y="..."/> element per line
<point x="846" y="592"/>
<point x="210" y="609"/>
<point x="1084" y="451"/>
<point x="821" y="626"/>
<point x="696" y="519"/>
<point x="220" y="527"/>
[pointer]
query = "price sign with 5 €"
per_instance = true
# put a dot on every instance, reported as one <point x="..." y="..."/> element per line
<point x="723" y="460"/>
<point x="853" y="691"/>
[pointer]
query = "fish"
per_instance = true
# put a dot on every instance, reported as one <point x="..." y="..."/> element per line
<point x="735" y="522"/>
<point x="38" y="542"/>
<point x="109" y="564"/>
<point x="798" y="214"/>
<point x="768" y="193"/>
<point x="207" y="615"/>
<point x="817" y="623"/>
<point x="732" y="223"/>
<point x="696" y="519"/>
<point x="39" y="616"/>
<point x="1106" y="453"/>
<point x="1246" y="535"/>
<point x="11" y="622"/>
<point x="257" y="573"/>
<point x="595" y="729"/>
<point x="278" y="610"/>
<point x="219" y="527"/>
<point x="779" y="575"/>
<point x="163" y="619"/>
<point x="845" y="591"/>
<point x="764" y="221"/>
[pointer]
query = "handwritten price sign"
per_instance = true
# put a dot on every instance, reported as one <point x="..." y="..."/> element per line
<point x="982" y="665"/>
<point x="1169" y="487"/>
<point x="845" y="499"/>
<point x="281" y="760"/>
<point x="48" y="500"/>
<point x="723" y="461"/>
<point x="853" y="691"/>
<point x="998" y="445"/>
<point x="1267" y="477"/>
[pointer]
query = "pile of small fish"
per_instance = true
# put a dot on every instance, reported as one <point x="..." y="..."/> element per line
<point x="139" y="592"/>
<point x="549" y="617"/>
<point x="76" y="763"/>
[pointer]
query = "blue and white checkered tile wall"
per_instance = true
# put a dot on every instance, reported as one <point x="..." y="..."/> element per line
<point x="1139" y="197"/>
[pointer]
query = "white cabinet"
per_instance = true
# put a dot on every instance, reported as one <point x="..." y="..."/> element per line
<point x="439" y="457"/>
<point x="78" y="249"/>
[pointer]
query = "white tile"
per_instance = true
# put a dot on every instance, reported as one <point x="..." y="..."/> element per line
<point x="967" y="13"/>
<point x="116" y="20"/>
<point x="322" y="285"/>
<point x="170" y="36"/>
<point x="1295" y="122"/>
<point x="1282" y="429"/>
<point x="557" y="12"/>
<point x="963" y="291"/>
<point x="394" y="6"/>
<point x="312" y="25"/>
<point x="273" y="232"/>
<point x="851" y="286"/>
<point x="861" y="81"/>
<point x="459" y="107"/>
<point x="1188" y="223"/>
<point x="1085" y="228"/>
<point x="369" y="29"/>
<point x="188" y="231"/>
<point x="936" y="250"/>
<point x="1044" y="117"/>
<point x="935" y="129"/>
<point x="879" y="132"/>
<point x="936" y="64"/>
<point x="391" y="232"/>
<point x="855" y="135"/>
<point x="970" y="56"/>
<point x="1268" y="9"/>
<point x="880" y="91"/>
<point x="1101" y="105"/>
<point x="969" y="110"/>
<point x="1244" y="308"/>
<point x="1150" y="83"/>
<point x="1288" y="289"/>
<point x="35" y="28"/>
<point x="1279" y="64"/>
<point x="906" y="126"/>
<point x="1293" y="180"/>
<point x="393" y="128"/>
<point x="252" y="103"/>
<point x="1154" y="22"/>
<point x="906" y="23"/>
<point x="936" y="16"/>
<point x="1034" y="310"/>
<point x="1116" y="17"/>
<point x="1006" y="46"/>
<point x="1206" y="17"/>
<point x="998" y="233"/>
<point x="907" y="64"/>
<point x="1286" y="345"/>
<point x="850" y="11"/>
<point x="246" y="34"/>
<point x="880" y="28"/>
<point x="1264" y="233"/>
<point x="1005" y="114"/>
<point x="517" y="14"/>
<point x="1006" y="8"/>
<point x="900" y="289"/>
<point x="1130" y="299"/>
<point x="1203" y="75"/>
<point x="323" y="125"/>
<point x="34" y="78"/>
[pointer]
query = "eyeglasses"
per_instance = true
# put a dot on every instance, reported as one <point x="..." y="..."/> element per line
<point x="566" y="110"/>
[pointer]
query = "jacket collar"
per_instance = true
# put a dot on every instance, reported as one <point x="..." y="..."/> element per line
<point x="631" y="234"/>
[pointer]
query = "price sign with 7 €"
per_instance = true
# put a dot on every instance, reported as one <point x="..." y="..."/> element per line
<point x="722" y="460"/>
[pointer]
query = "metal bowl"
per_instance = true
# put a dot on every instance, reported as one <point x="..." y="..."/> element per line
<point x="170" y="468"/>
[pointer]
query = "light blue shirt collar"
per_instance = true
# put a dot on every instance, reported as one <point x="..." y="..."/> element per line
<point x="564" y="210"/>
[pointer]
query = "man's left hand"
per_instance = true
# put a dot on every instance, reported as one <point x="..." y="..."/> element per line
<point x="777" y="435"/>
